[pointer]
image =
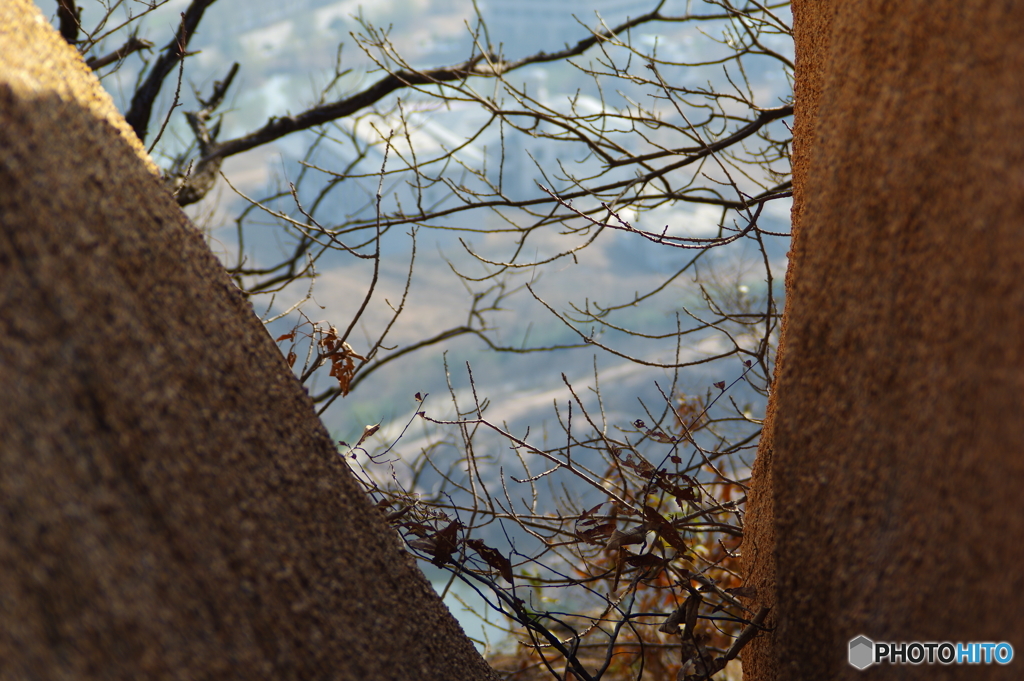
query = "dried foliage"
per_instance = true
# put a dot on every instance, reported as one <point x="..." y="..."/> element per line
<point x="611" y="554"/>
<point x="644" y="580"/>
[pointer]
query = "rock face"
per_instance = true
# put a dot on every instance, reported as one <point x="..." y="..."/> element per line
<point x="883" y="497"/>
<point x="170" y="506"/>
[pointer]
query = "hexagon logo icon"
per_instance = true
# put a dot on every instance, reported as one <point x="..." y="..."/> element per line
<point x="862" y="652"/>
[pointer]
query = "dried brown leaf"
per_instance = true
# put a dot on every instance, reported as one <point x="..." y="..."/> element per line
<point x="493" y="558"/>
<point x="635" y="536"/>
<point x="593" y="535"/>
<point x="671" y="623"/>
<point x="445" y="544"/>
<point x="585" y="516"/>
<point x="665" y="529"/>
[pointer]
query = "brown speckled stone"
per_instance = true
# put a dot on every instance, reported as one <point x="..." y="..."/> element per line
<point x="170" y="506"/>
<point x="883" y="502"/>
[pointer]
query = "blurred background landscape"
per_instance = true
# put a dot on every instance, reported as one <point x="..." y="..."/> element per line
<point x="299" y="54"/>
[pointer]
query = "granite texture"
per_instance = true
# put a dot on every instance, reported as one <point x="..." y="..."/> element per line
<point x="882" y="503"/>
<point x="170" y="505"/>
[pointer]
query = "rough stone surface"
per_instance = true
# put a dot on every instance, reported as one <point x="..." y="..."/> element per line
<point x="170" y="506"/>
<point x="883" y="501"/>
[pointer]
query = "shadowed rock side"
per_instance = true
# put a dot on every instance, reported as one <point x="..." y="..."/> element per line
<point x="813" y="31"/>
<point x="170" y="506"/>
<point x="885" y="505"/>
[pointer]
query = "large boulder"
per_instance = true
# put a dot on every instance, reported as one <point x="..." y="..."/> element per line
<point x="883" y="496"/>
<point x="170" y="505"/>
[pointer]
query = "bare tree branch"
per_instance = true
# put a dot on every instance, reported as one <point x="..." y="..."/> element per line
<point x="70" y="18"/>
<point x="142" y="102"/>
<point x="134" y="44"/>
